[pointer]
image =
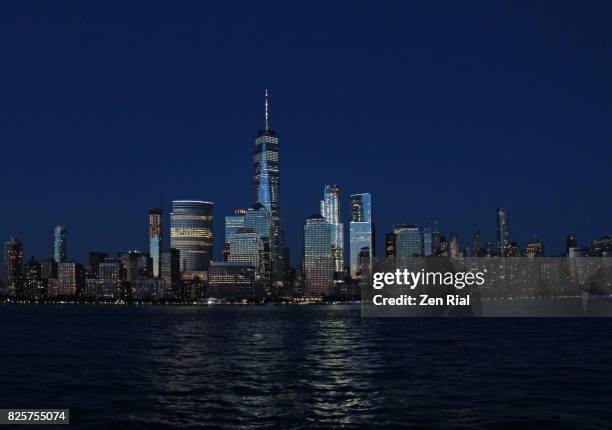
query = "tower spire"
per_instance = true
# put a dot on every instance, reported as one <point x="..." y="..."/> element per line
<point x="267" y="124"/>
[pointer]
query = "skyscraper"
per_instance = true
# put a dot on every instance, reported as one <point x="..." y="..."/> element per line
<point x="170" y="272"/>
<point x="318" y="257"/>
<point x="570" y="242"/>
<point x="110" y="276"/>
<point x="408" y="241"/>
<point x="535" y="247"/>
<point x="95" y="259"/>
<point x="34" y="286"/>
<point x="454" y="246"/>
<point x="13" y="267"/>
<point x="330" y="210"/>
<point x="130" y="264"/>
<point x="71" y="278"/>
<point x="59" y="244"/>
<point x="361" y="229"/>
<point x="266" y="184"/>
<point x="503" y="234"/>
<point x="232" y="224"/>
<point x="155" y="238"/>
<point x="191" y="232"/>
<point x="477" y="244"/>
<point x="435" y="239"/>
<point x="427" y="241"/>
<point x="246" y="246"/>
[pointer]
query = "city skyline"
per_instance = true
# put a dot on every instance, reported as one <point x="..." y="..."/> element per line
<point x="184" y="229"/>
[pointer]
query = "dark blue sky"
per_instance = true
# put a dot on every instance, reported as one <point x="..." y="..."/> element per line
<point x="442" y="110"/>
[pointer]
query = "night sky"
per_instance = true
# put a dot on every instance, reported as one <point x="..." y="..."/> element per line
<point x="442" y="110"/>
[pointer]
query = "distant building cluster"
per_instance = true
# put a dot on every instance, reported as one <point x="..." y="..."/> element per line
<point x="256" y="263"/>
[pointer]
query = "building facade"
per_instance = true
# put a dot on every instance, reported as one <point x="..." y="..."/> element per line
<point x="266" y="185"/>
<point x="408" y="241"/>
<point x="330" y="210"/>
<point x="361" y="231"/>
<point x="191" y="232"/>
<point x="60" y="253"/>
<point x="246" y="247"/>
<point x="233" y="280"/>
<point x="71" y="278"/>
<point x="318" y="257"/>
<point x="13" y="267"/>
<point x="502" y="233"/>
<point x="170" y="272"/>
<point x="534" y="247"/>
<point x="155" y="239"/>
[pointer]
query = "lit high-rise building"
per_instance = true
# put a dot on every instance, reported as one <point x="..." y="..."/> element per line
<point x="110" y="271"/>
<point x="13" y="267"/>
<point x="435" y="239"/>
<point x="454" y="246"/>
<point x="318" y="257"/>
<point x="233" y="223"/>
<point x="170" y="272"/>
<point x="503" y="234"/>
<point x="191" y="232"/>
<point x="59" y="244"/>
<point x="361" y="231"/>
<point x="330" y="210"/>
<point x="246" y="246"/>
<point x="477" y="245"/>
<point x="570" y="242"/>
<point x="535" y="247"/>
<point x="130" y="264"/>
<point x="48" y="268"/>
<point x="266" y="185"/>
<point x="602" y="247"/>
<point x="155" y="238"/>
<point x="70" y="277"/>
<point x="95" y="258"/>
<point x="110" y="277"/>
<point x="408" y="241"/>
<point x="34" y="286"/>
<point x="259" y="219"/>
<point x="427" y="241"/>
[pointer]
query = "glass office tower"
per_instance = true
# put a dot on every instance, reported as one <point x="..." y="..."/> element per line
<point x="155" y="239"/>
<point x="361" y="230"/>
<point x="266" y="184"/>
<point x="503" y="235"/>
<point x="408" y="241"/>
<point x="246" y="247"/>
<point x="330" y="210"/>
<point x="318" y="258"/>
<point x="233" y="223"/>
<point x="191" y="233"/>
<point x="427" y="241"/>
<point x="13" y="266"/>
<point x="59" y="244"/>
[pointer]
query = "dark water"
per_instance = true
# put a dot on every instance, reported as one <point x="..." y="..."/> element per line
<point x="303" y="366"/>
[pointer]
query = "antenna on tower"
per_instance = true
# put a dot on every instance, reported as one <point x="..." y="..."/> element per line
<point x="267" y="127"/>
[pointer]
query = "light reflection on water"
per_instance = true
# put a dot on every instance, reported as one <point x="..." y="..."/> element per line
<point x="300" y="366"/>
